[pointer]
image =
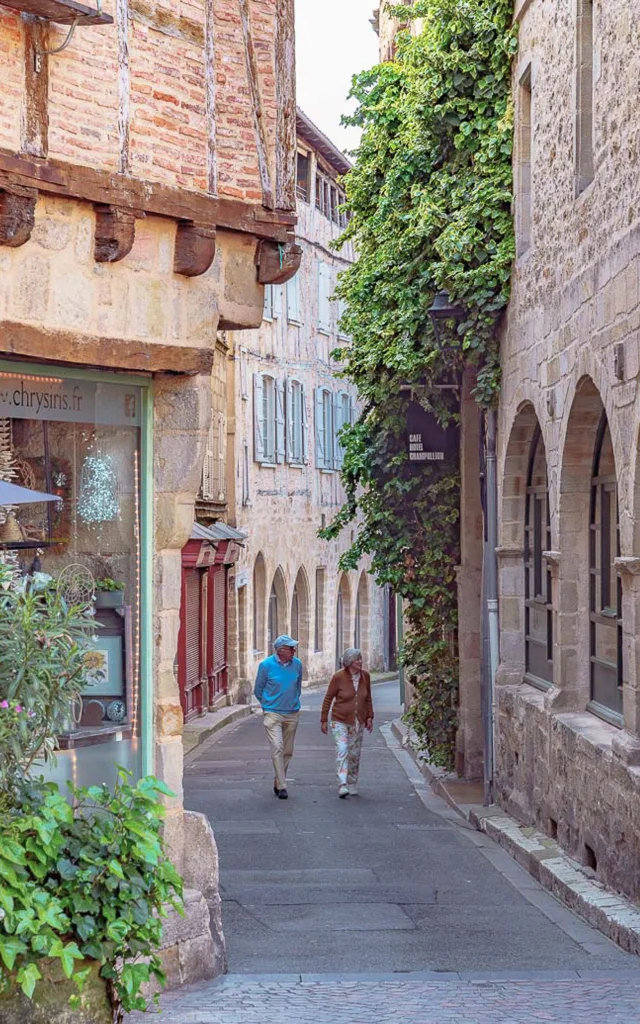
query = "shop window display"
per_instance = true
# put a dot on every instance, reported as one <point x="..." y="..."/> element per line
<point x="80" y="441"/>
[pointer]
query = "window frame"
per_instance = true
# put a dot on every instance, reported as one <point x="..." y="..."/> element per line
<point x="296" y="427"/>
<point x="537" y="571"/>
<point x="602" y="616"/>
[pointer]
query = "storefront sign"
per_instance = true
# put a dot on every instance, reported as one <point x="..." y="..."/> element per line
<point x="427" y="441"/>
<point x="35" y="397"/>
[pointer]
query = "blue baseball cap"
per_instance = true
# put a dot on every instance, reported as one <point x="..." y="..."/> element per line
<point x="284" y="641"/>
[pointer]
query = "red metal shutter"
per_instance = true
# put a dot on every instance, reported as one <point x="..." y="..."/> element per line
<point x="192" y="626"/>
<point x="219" y="618"/>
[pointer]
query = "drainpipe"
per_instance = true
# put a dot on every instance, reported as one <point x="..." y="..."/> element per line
<point x="491" y="591"/>
<point x="399" y="645"/>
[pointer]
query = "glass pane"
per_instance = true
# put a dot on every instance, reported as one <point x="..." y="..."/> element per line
<point x="605" y="688"/>
<point x="606" y="642"/>
<point x="80" y="441"/>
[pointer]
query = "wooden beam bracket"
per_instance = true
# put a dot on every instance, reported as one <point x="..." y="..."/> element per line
<point x="277" y="262"/>
<point x="115" y="233"/>
<point x="17" y="215"/>
<point x="195" y="248"/>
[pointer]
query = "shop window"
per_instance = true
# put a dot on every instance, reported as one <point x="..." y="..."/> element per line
<point x="537" y="539"/>
<point x="80" y="440"/>
<point x="605" y="585"/>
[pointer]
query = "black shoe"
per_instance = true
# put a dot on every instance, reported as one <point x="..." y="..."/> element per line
<point x="276" y="791"/>
<point x="283" y="795"/>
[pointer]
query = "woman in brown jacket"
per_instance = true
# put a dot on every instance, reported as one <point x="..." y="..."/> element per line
<point x="347" y="706"/>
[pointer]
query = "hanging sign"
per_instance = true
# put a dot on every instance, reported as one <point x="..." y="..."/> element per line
<point x="427" y="441"/>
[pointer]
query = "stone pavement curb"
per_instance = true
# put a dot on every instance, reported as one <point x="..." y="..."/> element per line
<point x="197" y="732"/>
<point x="566" y="879"/>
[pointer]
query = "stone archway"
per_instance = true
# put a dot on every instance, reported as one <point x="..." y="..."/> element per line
<point x="277" y="609"/>
<point x="300" y="611"/>
<point x="343" y="618"/>
<point x="511" y="552"/>
<point x="571" y="691"/>
<point x="361" y="626"/>
<point x="259" y="597"/>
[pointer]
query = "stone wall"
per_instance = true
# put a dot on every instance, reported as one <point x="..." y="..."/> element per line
<point x="282" y="507"/>
<point x="570" y="354"/>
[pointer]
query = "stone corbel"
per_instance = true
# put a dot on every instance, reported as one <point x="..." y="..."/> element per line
<point x="505" y="553"/>
<point x="627" y="565"/>
<point x="277" y="263"/>
<point x="115" y="233"/>
<point x="552" y="558"/>
<point x="17" y="215"/>
<point x="195" y="248"/>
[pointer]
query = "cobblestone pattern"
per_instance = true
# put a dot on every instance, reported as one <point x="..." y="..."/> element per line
<point x="455" y="1001"/>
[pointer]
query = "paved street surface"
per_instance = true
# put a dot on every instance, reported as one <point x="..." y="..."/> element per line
<point x="325" y="900"/>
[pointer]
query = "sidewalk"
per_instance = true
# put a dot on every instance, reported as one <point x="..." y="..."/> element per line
<point x="566" y="879"/>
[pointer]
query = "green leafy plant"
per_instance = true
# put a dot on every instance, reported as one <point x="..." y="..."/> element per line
<point x="86" y="881"/>
<point x="42" y="646"/>
<point x="109" y="585"/>
<point x="430" y="202"/>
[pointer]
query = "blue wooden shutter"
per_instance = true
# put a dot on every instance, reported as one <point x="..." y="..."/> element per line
<point x="258" y="438"/>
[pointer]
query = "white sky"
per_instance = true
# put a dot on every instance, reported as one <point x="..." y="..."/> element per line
<point x="334" y="41"/>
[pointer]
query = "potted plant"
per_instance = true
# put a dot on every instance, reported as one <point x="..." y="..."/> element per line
<point x="109" y="593"/>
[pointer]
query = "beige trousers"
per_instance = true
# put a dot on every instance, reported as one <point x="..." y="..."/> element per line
<point x="281" y="732"/>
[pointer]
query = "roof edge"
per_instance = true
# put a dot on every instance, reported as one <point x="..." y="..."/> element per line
<point x="317" y="138"/>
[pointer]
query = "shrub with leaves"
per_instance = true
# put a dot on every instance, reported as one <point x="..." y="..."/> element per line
<point x="42" y="646"/>
<point x="430" y="201"/>
<point x="87" y="880"/>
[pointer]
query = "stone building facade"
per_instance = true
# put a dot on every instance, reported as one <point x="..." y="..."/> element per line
<point x="288" y="407"/>
<point x="568" y="694"/>
<point x="147" y="194"/>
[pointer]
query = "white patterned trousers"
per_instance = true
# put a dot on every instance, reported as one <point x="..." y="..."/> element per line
<point x="348" y="741"/>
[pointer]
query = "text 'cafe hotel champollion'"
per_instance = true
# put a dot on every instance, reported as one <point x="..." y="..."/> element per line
<point x="147" y="194"/>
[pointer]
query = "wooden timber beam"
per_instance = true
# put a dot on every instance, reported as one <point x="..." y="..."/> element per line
<point x="195" y="249"/>
<point x="115" y="233"/>
<point x="88" y="184"/>
<point x="277" y="263"/>
<point x="17" y="216"/>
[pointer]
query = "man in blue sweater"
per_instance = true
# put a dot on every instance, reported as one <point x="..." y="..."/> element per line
<point x="278" y="687"/>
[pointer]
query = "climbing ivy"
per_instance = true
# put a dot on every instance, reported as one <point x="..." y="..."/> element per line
<point x="430" y="202"/>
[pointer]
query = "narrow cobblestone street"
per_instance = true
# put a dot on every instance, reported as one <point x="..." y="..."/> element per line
<point x="343" y="911"/>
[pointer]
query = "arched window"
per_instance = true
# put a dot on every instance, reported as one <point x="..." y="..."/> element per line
<point x="272" y="626"/>
<point x="537" y="539"/>
<point x="343" y="615"/>
<point x="259" y="585"/>
<point x="605" y="586"/>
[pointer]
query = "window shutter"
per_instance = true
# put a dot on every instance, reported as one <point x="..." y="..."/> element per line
<point x="352" y="410"/>
<point x="258" y="440"/>
<point x="288" y="404"/>
<point x="305" y="426"/>
<point x="324" y="317"/>
<point x="277" y="300"/>
<point x="268" y="302"/>
<point x="320" y="438"/>
<point x="222" y="483"/>
<point x="293" y="299"/>
<point x="244" y="383"/>
<point x="337" y="423"/>
<point x="208" y="468"/>
<point x="280" y="440"/>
